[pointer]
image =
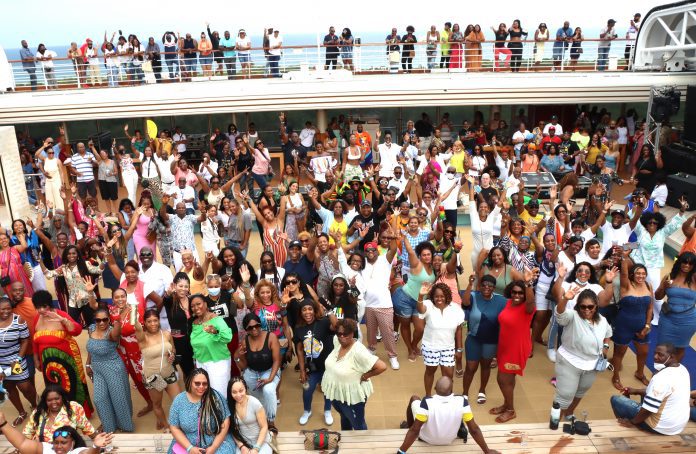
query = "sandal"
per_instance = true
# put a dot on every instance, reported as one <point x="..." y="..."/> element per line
<point x="497" y="410"/>
<point x="459" y="373"/>
<point x="494" y="363"/>
<point x="506" y="416"/>
<point x="616" y="381"/>
<point x="643" y="379"/>
<point x="19" y="419"/>
<point x="412" y="357"/>
<point x="481" y="398"/>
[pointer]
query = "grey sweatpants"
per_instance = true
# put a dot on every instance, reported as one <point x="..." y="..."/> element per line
<point x="571" y="382"/>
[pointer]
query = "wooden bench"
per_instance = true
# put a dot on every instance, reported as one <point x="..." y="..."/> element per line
<point x="607" y="437"/>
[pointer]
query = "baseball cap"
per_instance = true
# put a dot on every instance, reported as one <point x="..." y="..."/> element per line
<point x="611" y="21"/>
<point x="366" y="203"/>
<point x="552" y="127"/>
<point x="619" y="212"/>
<point x="533" y="203"/>
<point x="295" y="243"/>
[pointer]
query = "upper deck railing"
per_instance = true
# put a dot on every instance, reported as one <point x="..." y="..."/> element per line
<point x="362" y="59"/>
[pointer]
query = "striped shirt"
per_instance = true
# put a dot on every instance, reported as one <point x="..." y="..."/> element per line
<point x="10" y="342"/>
<point x="83" y="164"/>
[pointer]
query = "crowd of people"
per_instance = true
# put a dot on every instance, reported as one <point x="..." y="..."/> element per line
<point x="124" y="60"/>
<point x="373" y="237"/>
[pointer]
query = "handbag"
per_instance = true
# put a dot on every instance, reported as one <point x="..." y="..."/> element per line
<point x="602" y="363"/>
<point x="156" y="381"/>
<point x="5" y="280"/>
<point x="321" y="440"/>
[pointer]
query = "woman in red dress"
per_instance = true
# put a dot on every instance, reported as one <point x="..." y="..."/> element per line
<point x="514" y="341"/>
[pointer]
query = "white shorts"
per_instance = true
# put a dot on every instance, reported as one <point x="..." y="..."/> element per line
<point x="540" y="292"/>
<point x="434" y="357"/>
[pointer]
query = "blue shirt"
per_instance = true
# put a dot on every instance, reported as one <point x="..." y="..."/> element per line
<point x="483" y="318"/>
<point x="552" y="163"/>
<point x="228" y="43"/>
<point x="26" y="54"/>
<point x="563" y="33"/>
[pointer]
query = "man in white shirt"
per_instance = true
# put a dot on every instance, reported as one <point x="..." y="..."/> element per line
<point x="616" y="232"/>
<point x="158" y="278"/>
<point x="436" y="420"/>
<point x="410" y="153"/>
<point x="518" y="139"/>
<point x="180" y="140"/>
<point x="450" y="203"/>
<point x="184" y="193"/>
<point x="665" y="402"/>
<point x="388" y="153"/>
<point x="164" y="164"/>
<point x="606" y="36"/>
<point x="554" y="123"/>
<point x="504" y="164"/>
<point x="307" y="135"/>
<point x="46" y="57"/>
<point x="275" y="43"/>
<point x="92" y="57"/>
<point x="83" y="163"/>
<point x="379" y="311"/>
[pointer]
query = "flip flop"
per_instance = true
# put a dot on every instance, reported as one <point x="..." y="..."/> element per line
<point x="617" y="383"/>
<point x="494" y="363"/>
<point x="19" y="419"/>
<point x="497" y="410"/>
<point x="506" y="416"/>
<point x="481" y="398"/>
<point x="459" y="373"/>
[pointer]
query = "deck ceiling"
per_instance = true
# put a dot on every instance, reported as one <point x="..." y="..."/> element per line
<point x="259" y="95"/>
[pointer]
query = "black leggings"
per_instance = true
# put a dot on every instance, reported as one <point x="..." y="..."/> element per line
<point x="406" y="63"/>
<point x="444" y="61"/>
<point x="516" y="56"/>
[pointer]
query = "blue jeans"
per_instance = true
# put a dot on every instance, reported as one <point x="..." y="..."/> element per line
<point x="626" y="408"/>
<point x="261" y="180"/>
<point x="602" y="57"/>
<point x="267" y="394"/>
<point x="137" y="72"/>
<point x="352" y="416"/>
<point x="32" y="77"/>
<point x="173" y="65"/>
<point x="273" y="65"/>
<point x="313" y="378"/>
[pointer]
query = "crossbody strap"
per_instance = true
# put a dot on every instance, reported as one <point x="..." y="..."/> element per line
<point x="162" y="355"/>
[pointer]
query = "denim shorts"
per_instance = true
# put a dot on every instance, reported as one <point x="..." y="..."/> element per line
<point x="476" y="350"/>
<point x="206" y="59"/>
<point x="404" y="305"/>
<point x="347" y="55"/>
<point x="243" y="58"/>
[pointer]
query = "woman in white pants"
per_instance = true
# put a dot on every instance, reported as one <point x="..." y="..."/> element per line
<point x="129" y="175"/>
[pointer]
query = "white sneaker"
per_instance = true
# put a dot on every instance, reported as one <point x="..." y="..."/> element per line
<point x="394" y="363"/>
<point x="551" y="353"/>
<point x="328" y="419"/>
<point x="305" y="417"/>
<point x="379" y="335"/>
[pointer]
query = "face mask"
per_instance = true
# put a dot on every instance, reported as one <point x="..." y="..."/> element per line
<point x="579" y="282"/>
<point x="230" y="291"/>
<point x="450" y="176"/>
<point x="214" y="291"/>
<point x="660" y="366"/>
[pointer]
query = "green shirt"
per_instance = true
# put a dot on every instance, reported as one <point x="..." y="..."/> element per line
<point x="211" y="347"/>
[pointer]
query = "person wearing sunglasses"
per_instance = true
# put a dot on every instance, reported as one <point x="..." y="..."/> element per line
<point x="347" y="373"/>
<point x="199" y="418"/>
<point x="678" y="320"/>
<point x="585" y="340"/>
<point x="112" y="395"/>
<point x="651" y="234"/>
<point x="259" y="359"/>
<point x="66" y="440"/>
<point x="514" y="342"/>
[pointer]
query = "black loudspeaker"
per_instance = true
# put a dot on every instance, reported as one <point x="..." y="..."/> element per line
<point x="102" y="140"/>
<point x="679" y="158"/>
<point x="689" y="136"/>
<point x="681" y="184"/>
<point x="665" y="103"/>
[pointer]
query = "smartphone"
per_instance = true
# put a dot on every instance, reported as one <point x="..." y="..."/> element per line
<point x="630" y="246"/>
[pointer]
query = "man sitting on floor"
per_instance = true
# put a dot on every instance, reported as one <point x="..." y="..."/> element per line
<point x="665" y="402"/>
<point x="436" y="420"/>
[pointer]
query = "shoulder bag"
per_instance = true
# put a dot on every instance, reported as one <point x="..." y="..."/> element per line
<point x="321" y="440"/>
<point x="156" y="381"/>
<point x="178" y="449"/>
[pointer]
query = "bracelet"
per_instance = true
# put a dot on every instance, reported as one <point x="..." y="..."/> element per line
<point x="459" y="350"/>
<point x="605" y="345"/>
<point x="256" y="446"/>
<point x="3" y="425"/>
<point x="189" y="448"/>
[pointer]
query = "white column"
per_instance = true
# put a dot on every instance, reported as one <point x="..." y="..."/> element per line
<point x="15" y="202"/>
<point x="321" y="122"/>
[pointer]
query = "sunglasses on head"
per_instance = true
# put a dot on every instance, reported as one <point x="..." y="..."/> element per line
<point x="61" y="433"/>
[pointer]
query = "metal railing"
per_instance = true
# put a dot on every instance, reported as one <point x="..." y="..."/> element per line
<point x="370" y="58"/>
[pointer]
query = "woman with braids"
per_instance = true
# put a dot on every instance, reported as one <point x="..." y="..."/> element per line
<point x="268" y="269"/>
<point x="176" y="305"/>
<point x="53" y="411"/>
<point x="248" y="425"/>
<point x="199" y="418"/>
<point x="56" y="352"/>
<point x="442" y="336"/>
<point x="111" y="388"/>
<point x="229" y="261"/>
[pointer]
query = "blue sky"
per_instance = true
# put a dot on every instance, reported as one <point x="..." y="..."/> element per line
<point x="58" y="22"/>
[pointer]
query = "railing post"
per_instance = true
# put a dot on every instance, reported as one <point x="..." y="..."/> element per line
<point x="43" y="72"/>
<point x="178" y="64"/>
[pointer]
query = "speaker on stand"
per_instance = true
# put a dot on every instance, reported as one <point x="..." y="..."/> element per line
<point x="689" y="136"/>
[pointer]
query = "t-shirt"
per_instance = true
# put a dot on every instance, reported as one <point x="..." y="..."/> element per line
<point x="178" y="137"/>
<point x="47" y="64"/>
<point x="450" y="203"/>
<point x="370" y="222"/>
<point x="387" y="155"/>
<point x="82" y="164"/>
<point x="519" y="135"/>
<point x="376" y="277"/>
<point x="441" y="325"/>
<point x="307" y="137"/>
<point x="185" y="193"/>
<point x="317" y="341"/>
<point x="331" y="43"/>
<point x="596" y="289"/>
<point x="611" y="236"/>
<point x="319" y="165"/>
<point x="274" y="41"/>
<point x="227" y="42"/>
<point x="483" y="318"/>
<point x="48" y="449"/>
<point x="304" y="268"/>
<point x="224" y="307"/>
<point x="667" y="399"/>
<point x="559" y="129"/>
<point x="243" y="42"/>
<point x="442" y="416"/>
<point x="290" y="150"/>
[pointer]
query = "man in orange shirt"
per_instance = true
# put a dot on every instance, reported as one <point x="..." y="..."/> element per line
<point x="364" y="141"/>
<point x="22" y="306"/>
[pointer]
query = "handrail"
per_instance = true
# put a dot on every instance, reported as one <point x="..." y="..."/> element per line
<point x="360" y="59"/>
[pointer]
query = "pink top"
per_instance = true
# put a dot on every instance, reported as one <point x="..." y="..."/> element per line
<point x="262" y="161"/>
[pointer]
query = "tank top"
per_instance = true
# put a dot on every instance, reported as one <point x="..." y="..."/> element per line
<point x="51" y="167"/>
<point x="261" y="360"/>
<point x="188" y="45"/>
<point x="196" y="285"/>
<point x="352" y="156"/>
<point x="152" y="359"/>
<point x="412" y="287"/>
